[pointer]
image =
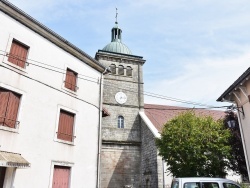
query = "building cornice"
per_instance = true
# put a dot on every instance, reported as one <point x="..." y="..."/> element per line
<point x="239" y="82"/>
<point x="118" y="57"/>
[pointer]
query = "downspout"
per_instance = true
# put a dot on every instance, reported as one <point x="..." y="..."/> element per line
<point x="98" y="182"/>
<point x="243" y="143"/>
<point x="163" y="172"/>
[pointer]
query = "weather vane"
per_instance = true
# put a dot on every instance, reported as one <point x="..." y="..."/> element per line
<point x="116" y="16"/>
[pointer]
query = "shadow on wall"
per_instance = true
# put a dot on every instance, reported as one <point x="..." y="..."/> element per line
<point x="121" y="159"/>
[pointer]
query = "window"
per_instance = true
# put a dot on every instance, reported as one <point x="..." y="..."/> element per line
<point x="66" y="126"/>
<point x="18" y="53"/>
<point x="120" y="122"/>
<point x="210" y="185"/>
<point x="61" y="177"/>
<point x="230" y="185"/>
<point x="129" y="71"/>
<point x="9" y="105"/>
<point x="70" y="81"/>
<point x="121" y="70"/>
<point x="192" y="185"/>
<point x="113" y="69"/>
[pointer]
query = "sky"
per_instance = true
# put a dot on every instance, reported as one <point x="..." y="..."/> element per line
<point x="194" y="49"/>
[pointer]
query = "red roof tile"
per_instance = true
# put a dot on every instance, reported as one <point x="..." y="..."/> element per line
<point x="161" y="114"/>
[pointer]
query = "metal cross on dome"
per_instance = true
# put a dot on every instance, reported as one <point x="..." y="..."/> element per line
<point x="116" y="15"/>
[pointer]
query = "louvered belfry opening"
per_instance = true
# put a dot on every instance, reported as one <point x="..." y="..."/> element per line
<point x="61" y="177"/>
<point x="18" y="53"/>
<point x="9" y="105"/>
<point x="70" y="81"/>
<point x="66" y="126"/>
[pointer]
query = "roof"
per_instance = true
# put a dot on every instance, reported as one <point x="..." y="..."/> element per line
<point x="47" y="33"/>
<point x="116" y="44"/>
<point x="161" y="114"/>
<point x="241" y="79"/>
<point x="9" y="159"/>
<point x="117" y="47"/>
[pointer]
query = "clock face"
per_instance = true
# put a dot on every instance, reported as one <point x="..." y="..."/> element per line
<point x="120" y="97"/>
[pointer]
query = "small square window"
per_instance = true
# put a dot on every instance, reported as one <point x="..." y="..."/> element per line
<point x="18" y="54"/>
<point x="70" y="81"/>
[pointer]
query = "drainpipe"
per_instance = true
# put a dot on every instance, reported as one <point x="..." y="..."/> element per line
<point x="243" y="143"/>
<point x="163" y="172"/>
<point x="98" y="182"/>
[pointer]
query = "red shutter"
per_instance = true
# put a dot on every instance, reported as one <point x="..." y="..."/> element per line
<point x="70" y="81"/>
<point x="4" y="95"/>
<point x="18" y="54"/>
<point x="12" y="110"/>
<point x="61" y="177"/>
<point x="65" y="127"/>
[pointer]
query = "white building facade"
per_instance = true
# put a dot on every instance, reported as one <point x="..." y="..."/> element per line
<point x="50" y="101"/>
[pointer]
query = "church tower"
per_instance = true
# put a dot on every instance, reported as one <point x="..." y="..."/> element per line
<point x="123" y="99"/>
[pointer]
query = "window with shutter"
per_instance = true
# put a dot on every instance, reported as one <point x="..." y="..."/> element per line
<point x="9" y="105"/>
<point x="18" y="53"/>
<point x="70" y="81"/>
<point x="61" y="177"/>
<point x="66" y="126"/>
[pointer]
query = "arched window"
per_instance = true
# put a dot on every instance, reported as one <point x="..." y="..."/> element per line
<point x="129" y="71"/>
<point x="112" y="68"/>
<point x="120" y="122"/>
<point x="121" y="70"/>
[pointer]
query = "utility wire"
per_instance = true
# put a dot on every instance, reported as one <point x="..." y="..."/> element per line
<point x="111" y="85"/>
<point x="50" y="86"/>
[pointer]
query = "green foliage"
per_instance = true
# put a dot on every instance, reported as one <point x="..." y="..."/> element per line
<point x="195" y="146"/>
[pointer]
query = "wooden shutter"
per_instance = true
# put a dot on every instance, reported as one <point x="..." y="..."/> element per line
<point x="12" y="110"/>
<point x="61" y="177"/>
<point x="4" y="96"/>
<point x="9" y="105"/>
<point x="70" y="81"/>
<point x="65" y="127"/>
<point x="18" y="54"/>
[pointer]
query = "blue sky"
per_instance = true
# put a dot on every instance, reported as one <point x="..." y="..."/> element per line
<point x="194" y="49"/>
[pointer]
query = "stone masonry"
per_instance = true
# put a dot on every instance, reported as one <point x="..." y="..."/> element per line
<point x="121" y="147"/>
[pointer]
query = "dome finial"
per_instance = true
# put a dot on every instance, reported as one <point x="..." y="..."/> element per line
<point x="116" y="16"/>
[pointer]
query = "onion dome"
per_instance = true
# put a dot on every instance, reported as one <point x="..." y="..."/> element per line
<point x="116" y="44"/>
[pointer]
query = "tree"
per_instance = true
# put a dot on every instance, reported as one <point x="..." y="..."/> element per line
<point x="238" y="163"/>
<point x="194" y="146"/>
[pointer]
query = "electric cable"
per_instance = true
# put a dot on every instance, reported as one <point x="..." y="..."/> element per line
<point x="128" y="90"/>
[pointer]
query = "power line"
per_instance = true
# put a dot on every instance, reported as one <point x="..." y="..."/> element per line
<point x="149" y="94"/>
<point x="50" y="86"/>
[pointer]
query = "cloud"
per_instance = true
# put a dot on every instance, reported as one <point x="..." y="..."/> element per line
<point x="194" y="49"/>
<point x="202" y="80"/>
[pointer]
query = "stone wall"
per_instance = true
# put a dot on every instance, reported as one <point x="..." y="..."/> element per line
<point x="149" y="170"/>
<point x="120" y="166"/>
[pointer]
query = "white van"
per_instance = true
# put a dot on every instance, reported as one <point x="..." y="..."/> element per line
<point x="200" y="182"/>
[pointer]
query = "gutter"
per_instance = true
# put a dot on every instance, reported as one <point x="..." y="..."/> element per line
<point x="98" y="182"/>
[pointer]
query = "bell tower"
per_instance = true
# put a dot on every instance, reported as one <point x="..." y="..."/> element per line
<point x="123" y="99"/>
